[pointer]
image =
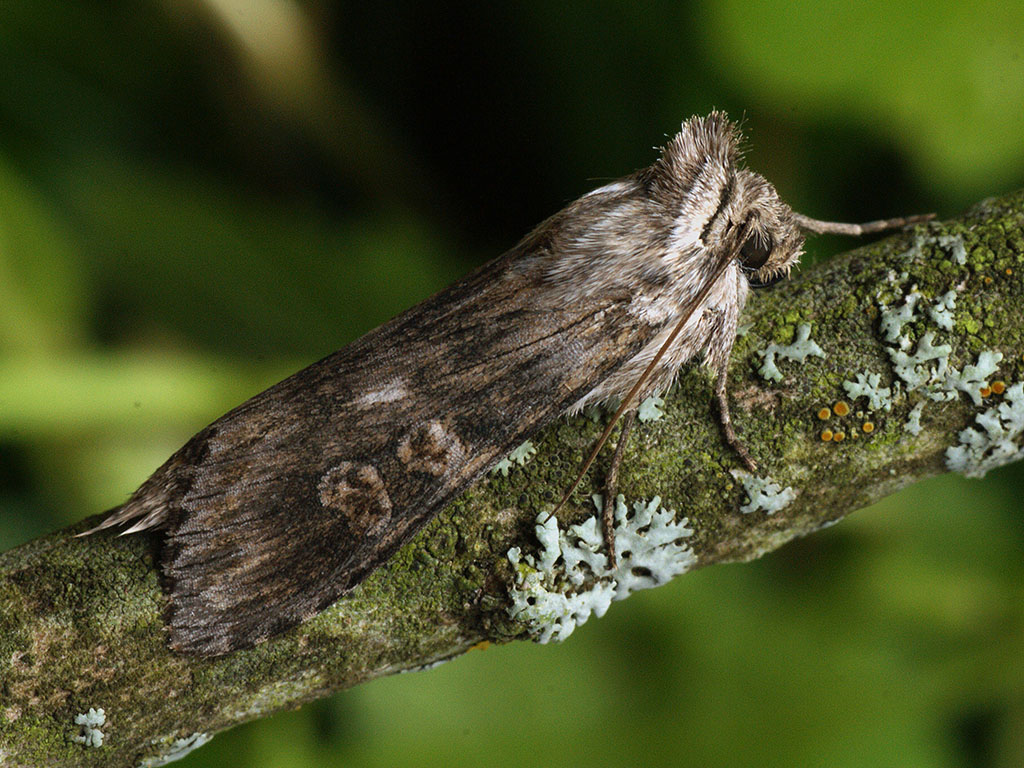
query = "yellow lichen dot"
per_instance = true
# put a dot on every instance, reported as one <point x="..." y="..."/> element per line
<point x="988" y="280"/>
<point x="824" y="413"/>
<point x="998" y="387"/>
<point x="868" y="427"/>
<point x="826" y="435"/>
<point x="838" y="437"/>
<point x="841" y="408"/>
<point x="985" y="391"/>
<point x="1009" y="270"/>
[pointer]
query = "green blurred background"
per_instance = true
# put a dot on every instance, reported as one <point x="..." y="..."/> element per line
<point x="199" y="197"/>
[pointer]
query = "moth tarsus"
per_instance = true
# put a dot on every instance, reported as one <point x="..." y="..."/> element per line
<point x="288" y="501"/>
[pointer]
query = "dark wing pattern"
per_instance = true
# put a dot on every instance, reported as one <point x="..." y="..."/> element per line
<point x="276" y="509"/>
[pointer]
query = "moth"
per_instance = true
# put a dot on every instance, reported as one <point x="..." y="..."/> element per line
<point x="278" y="508"/>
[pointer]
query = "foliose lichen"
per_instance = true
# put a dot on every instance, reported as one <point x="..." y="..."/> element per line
<point x="763" y="493"/>
<point x="651" y="409"/>
<point x="799" y="350"/>
<point x="913" y="424"/>
<point x="519" y="455"/>
<point x="996" y="440"/>
<point x="570" y="579"/>
<point x="869" y="385"/>
<point x="89" y="723"/>
<point x="913" y="369"/>
<point x="893" y="320"/>
<point x="954" y="245"/>
<point x="941" y="311"/>
<point x="915" y="249"/>
<point x="923" y="367"/>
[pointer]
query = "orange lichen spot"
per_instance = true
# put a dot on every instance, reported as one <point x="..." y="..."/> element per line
<point x="826" y="435"/>
<point x="838" y="437"/>
<point x="985" y="391"/>
<point x="998" y="387"/>
<point x="1009" y="270"/>
<point x="824" y="413"/>
<point x="868" y="427"/>
<point x="988" y="280"/>
<point x="483" y="645"/>
<point x="841" y="408"/>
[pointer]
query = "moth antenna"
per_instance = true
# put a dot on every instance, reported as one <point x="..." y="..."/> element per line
<point x="856" y="230"/>
<point x="628" y="399"/>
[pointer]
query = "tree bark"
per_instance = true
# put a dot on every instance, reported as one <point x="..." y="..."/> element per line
<point x="81" y="619"/>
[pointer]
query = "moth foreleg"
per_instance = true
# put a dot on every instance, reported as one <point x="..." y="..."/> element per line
<point x="611" y="480"/>
<point x="725" y="420"/>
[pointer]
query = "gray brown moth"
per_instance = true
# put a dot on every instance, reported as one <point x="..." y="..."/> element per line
<point x="282" y="505"/>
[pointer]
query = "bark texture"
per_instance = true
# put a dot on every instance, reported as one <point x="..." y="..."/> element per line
<point x="81" y="620"/>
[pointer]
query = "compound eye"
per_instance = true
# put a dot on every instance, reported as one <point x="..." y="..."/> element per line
<point x="755" y="252"/>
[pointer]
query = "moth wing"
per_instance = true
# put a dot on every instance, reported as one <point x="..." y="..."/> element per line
<point x="290" y="500"/>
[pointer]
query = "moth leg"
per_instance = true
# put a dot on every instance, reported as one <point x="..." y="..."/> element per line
<point x="722" y="395"/>
<point x="611" y="480"/>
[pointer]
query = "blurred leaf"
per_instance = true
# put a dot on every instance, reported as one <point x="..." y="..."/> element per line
<point x="238" y="272"/>
<point x="41" y="291"/>
<point x="61" y="396"/>
<point x="942" y="80"/>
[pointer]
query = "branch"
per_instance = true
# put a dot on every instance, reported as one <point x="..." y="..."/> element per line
<point x="921" y="340"/>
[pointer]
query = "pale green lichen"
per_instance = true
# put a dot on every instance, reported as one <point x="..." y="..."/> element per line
<point x="570" y="579"/>
<point x="927" y="369"/>
<point x="954" y="245"/>
<point x="915" y="250"/>
<point x="763" y="493"/>
<point x="893" y="320"/>
<point x="519" y="456"/>
<point x="799" y="350"/>
<point x="869" y="385"/>
<point x="941" y="311"/>
<point x="913" y="425"/>
<point x="651" y="409"/>
<point x="89" y="732"/>
<point x="997" y="442"/>
<point x="913" y="369"/>
<point x="973" y="377"/>
<point x="177" y="750"/>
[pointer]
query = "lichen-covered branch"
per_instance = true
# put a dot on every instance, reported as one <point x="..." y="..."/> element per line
<point x="891" y="363"/>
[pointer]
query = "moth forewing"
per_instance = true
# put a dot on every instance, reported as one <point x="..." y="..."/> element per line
<point x="285" y="503"/>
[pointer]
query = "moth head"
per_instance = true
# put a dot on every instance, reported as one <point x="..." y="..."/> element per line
<point x="699" y="181"/>
<point x="761" y="230"/>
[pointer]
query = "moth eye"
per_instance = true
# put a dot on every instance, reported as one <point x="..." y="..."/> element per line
<point x="755" y="252"/>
